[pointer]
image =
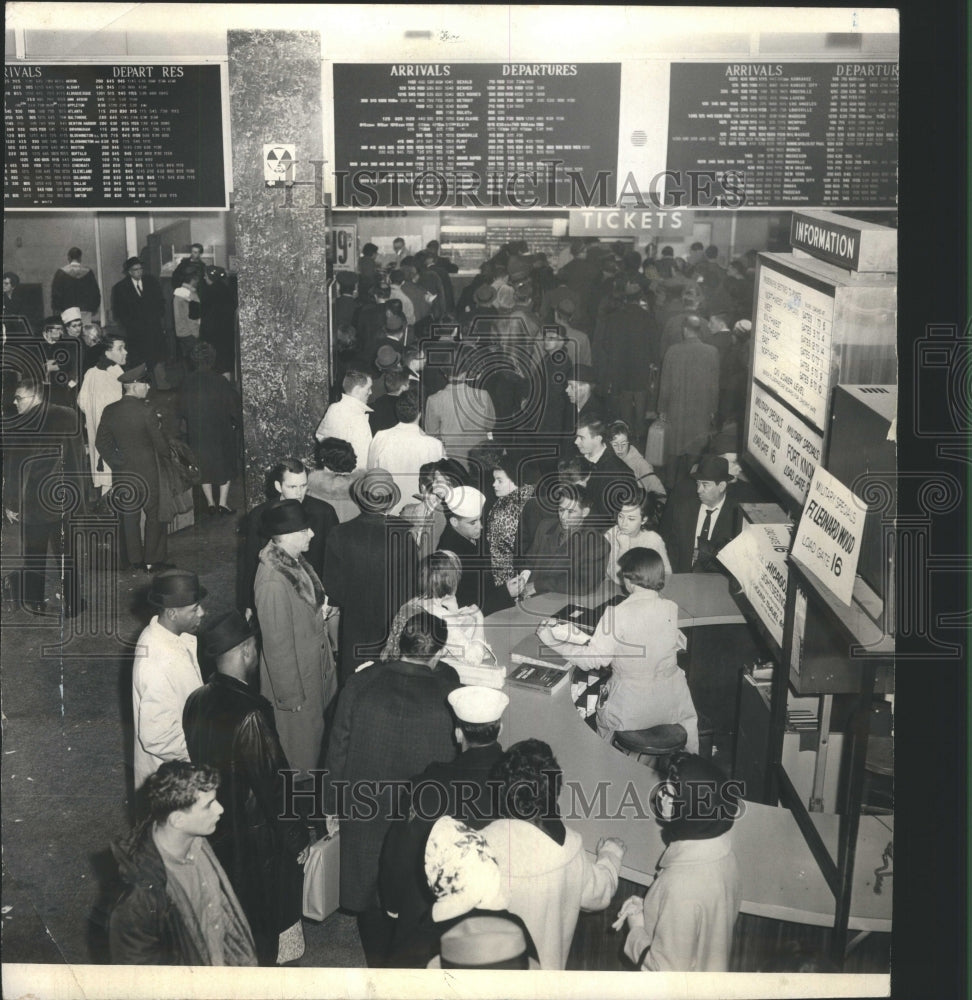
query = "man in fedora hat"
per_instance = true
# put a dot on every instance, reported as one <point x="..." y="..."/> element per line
<point x="369" y="569"/>
<point x="296" y="664"/>
<point x="136" y="303"/>
<point x="130" y="442"/>
<point x="699" y="528"/>
<point x="230" y="726"/>
<point x="166" y="670"/>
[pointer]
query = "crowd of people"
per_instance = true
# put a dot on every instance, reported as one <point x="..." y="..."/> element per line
<point x="479" y="448"/>
<point x="86" y="388"/>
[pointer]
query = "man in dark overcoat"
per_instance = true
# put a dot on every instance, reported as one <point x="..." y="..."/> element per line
<point x="457" y="788"/>
<point x="130" y="443"/>
<point x="392" y="720"/>
<point x="230" y="726"/>
<point x="136" y="303"/>
<point x="42" y="464"/>
<point x="370" y="568"/>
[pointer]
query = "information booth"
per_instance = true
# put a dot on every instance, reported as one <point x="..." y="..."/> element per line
<point x="823" y="351"/>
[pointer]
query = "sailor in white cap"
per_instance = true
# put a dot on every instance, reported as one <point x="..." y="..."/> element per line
<point x="455" y="788"/>
<point x="73" y="322"/>
<point x="463" y="535"/>
<point x="458" y="787"/>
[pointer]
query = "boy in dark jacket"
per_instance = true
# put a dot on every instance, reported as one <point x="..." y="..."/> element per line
<point x="180" y="908"/>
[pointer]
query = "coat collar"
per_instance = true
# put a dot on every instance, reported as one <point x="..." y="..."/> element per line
<point x="297" y="572"/>
<point x="689" y="852"/>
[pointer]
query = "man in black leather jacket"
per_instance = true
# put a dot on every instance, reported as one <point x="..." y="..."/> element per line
<point x="230" y="726"/>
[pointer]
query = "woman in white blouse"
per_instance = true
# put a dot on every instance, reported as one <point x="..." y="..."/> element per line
<point x="639" y="639"/>
<point x="634" y="531"/>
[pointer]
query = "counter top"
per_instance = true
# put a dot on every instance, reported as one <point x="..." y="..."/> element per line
<point x="606" y="794"/>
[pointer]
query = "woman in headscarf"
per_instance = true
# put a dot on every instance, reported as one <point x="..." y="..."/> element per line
<point x="685" y="921"/>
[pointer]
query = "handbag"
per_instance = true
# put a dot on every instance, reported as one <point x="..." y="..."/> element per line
<point x="322" y="878"/>
<point x="655" y="446"/>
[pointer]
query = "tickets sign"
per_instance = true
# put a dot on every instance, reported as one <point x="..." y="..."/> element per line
<point x="828" y="538"/>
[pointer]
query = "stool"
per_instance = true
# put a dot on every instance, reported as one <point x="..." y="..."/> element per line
<point x="657" y="743"/>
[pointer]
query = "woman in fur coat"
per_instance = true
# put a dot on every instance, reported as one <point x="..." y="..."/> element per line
<point x="297" y="674"/>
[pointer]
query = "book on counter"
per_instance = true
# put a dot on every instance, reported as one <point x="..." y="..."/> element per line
<point x="586" y="618"/>
<point x="537" y="667"/>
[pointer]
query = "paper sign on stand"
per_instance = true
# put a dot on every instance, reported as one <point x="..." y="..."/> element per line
<point x="828" y="538"/>
<point x="757" y="559"/>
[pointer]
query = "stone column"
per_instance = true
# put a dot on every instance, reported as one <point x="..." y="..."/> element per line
<point x="275" y="97"/>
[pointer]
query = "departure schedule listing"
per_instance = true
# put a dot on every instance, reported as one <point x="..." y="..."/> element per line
<point x="794" y="332"/>
<point x="113" y="136"/>
<point x="456" y="135"/>
<point x="810" y="134"/>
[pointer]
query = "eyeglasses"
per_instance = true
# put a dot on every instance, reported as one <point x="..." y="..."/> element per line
<point x="22" y="399"/>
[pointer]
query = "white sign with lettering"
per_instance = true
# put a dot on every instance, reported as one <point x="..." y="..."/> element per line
<point x="787" y="447"/>
<point x="828" y="538"/>
<point x="793" y="335"/>
<point x="757" y="559"/>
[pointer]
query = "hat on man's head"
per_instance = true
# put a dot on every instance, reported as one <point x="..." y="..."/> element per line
<point x="518" y="268"/>
<point x="477" y="704"/>
<point x="225" y="632"/>
<point x="70" y="315"/>
<point x="713" y="468"/>
<point x="283" y="517"/>
<point x="743" y="328"/>
<point x="394" y="321"/>
<point x="131" y="262"/>
<point x="175" y="588"/>
<point x="566" y="308"/>
<point x="484" y="942"/>
<point x="465" y="501"/>
<point x="582" y="373"/>
<point x="376" y="491"/>
<point x="346" y="279"/>
<point x="462" y="871"/>
<point x="484" y="294"/>
<point x="139" y="373"/>
<point x="388" y="359"/>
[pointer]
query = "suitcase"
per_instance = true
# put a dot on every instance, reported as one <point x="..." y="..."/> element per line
<point x="655" y="445"/>
<point x="322" y="878"/>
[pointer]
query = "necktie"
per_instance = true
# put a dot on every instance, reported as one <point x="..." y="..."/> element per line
<point x="138" y="287"/>
<point x="704" y="533"/>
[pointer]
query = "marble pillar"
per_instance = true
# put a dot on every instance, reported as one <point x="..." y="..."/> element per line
<point x="275" y="97"/>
